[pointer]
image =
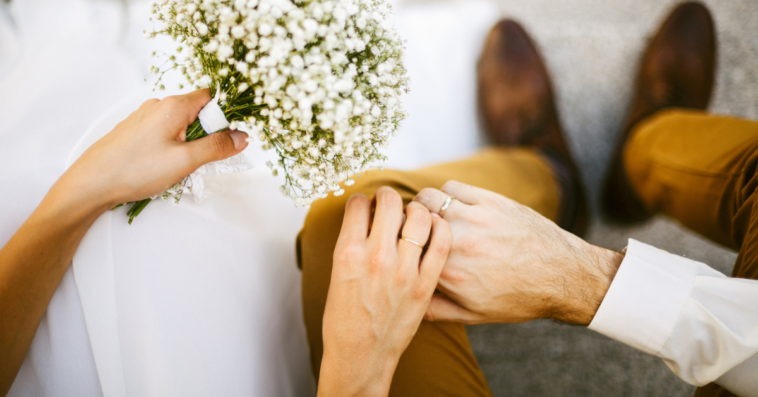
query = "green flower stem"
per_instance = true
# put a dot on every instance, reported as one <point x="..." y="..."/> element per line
<point x="137" y="208"/>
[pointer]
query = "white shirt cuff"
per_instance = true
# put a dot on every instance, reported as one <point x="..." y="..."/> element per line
<point x="645" y="298"/>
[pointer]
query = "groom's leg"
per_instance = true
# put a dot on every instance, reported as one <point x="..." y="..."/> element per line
<point x="701" y="169"/>
<point x="439" y="360"/>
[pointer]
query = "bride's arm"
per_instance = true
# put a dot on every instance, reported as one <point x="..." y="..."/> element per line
<point x="141" y="157"/>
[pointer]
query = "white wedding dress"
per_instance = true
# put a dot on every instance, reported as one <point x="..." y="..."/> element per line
<point x="195" y="299"/>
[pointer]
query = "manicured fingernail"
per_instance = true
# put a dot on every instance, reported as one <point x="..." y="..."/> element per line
<point x="434" y="214"/>
<point x="239" y="138"/>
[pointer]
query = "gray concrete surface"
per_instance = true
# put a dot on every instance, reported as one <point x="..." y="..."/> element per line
<point x="592" y="49"/>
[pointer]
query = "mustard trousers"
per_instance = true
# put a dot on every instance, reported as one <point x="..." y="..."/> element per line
<point x="696" y="167"/>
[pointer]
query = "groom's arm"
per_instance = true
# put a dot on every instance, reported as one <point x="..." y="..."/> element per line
<point x="510" y="264"/>
<point x="703" y="324"/>
<point x="141" y="157"/>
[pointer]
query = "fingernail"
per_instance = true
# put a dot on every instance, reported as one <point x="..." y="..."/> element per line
<point x="239" y="138"/>
<point x="434" y="214"/>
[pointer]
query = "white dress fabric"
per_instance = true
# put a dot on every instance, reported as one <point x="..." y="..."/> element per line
<point x="200" y="298"/>
<point x="196" y="299"/>
<point x="57" y="63"/>
<point x="703" y="324"/>
<point x="191" y="300"/>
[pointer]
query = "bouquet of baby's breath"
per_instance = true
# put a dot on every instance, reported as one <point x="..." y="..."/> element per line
<point x="318" y="81"/>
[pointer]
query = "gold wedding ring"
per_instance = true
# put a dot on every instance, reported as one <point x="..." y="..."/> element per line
<point x="411" y="241"/>
<point x="446" y="204"/>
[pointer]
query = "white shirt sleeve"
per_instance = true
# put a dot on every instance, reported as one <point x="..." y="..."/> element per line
<point x="703" y="324"/>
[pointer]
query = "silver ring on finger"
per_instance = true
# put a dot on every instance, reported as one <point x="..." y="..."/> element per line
<point x="446" y="204"/>
<point x="412" y="242"/>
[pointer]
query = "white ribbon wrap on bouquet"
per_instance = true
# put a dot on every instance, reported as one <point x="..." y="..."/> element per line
<point x="213" y="120"/>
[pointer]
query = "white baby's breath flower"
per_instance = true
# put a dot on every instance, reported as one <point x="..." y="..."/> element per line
<point x="318" y="81"/>
<point x="202" y="29"/>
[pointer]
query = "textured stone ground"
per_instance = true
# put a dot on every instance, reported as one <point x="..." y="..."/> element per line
<point x="592" y="49"/>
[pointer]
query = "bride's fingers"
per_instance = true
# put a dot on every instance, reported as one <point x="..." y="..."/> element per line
<point x="196" y="100"/>
<point x="388" y="216"/>
<point x="214" y="147"/>
<point x="436" y="255"/>
<point x="182" y="109"/>
<point x="356" y="220"/>
<point x="414" y="233"/>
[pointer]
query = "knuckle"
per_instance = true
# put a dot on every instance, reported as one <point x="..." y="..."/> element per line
<point x="171" y="100"/>
<point x="418" y="214"/>
<point x="149" y="102"/>
<point x="401" y="277"/>
<point x="425" y="195"/>
<point x="187" y="158"/>
<point x="451" y="185"/>
<point x="219" y="144"/>
<point x="481" y="218"/>
<point x="421" y="291"/>
<point x="414" y="206"/>
<point x="358" y="200"/>
<point x="379" y="259"/>
<point x="388" y="196"/>
<point x="427" y="191"/>
<point x="429" y="314"/>
<point x="347" y="252"/>
<point x="442" y="247"/>
<point x="452" y="275"/>
<point x="466" y="246"/>
<point x="442" y="227"/>
<point x="172" y="104"/>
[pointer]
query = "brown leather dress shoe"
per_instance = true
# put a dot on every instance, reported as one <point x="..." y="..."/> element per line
<point x="517" y="109"/>
<point x="677" y="70"/>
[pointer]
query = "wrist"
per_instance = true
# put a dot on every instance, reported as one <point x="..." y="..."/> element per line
<point x="594" y="271"/>
<point x="606" y="265"/>
<point x="355" y="375"/>
<point x="73" y="202"/>
<point x="88" y="188"/>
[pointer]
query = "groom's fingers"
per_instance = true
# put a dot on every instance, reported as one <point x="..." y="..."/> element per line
<point x="442" y="308"/>
<point x="465" y="193"/>
<point x="434" y="199"/>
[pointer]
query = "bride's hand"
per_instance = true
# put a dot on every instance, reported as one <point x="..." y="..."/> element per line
<point x="379" y="291"/>
<point x="140" y="158"/>
<point x="146" y="153"/>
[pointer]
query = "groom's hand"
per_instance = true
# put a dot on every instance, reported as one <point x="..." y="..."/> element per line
<point x="509" y="264"/>
<point x="380" y="288"/>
